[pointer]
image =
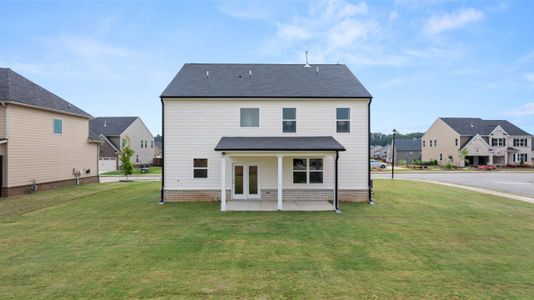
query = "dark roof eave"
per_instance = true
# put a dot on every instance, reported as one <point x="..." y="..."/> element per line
<point x="281" y="149"/>
<point x="267" y="97"/>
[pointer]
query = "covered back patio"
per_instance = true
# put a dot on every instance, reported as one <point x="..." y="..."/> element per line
<point x="279" y="173"/>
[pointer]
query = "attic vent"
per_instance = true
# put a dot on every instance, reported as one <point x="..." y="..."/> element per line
<point x="307" y="65"/>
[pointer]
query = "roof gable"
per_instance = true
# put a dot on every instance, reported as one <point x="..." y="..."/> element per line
<point x="18" y="89"/>
<point x="111" y="126"/>
<point x="473" y="126"/>
<point x="266" y="81"/>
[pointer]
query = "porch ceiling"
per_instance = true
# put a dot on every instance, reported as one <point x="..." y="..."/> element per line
<point x="279" y="143"/>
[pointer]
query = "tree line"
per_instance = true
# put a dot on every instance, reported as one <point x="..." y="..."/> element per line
<point x="381" y="139"/>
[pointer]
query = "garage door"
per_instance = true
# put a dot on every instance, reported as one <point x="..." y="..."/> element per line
<point x="107" y="164"/>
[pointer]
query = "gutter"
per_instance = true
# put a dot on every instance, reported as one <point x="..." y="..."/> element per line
<point x="162" y="200"/>
<point x="336" y="197"/>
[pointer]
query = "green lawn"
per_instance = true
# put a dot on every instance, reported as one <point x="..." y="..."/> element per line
<point x="116" y="241"/>
<point x="137" y="171"/>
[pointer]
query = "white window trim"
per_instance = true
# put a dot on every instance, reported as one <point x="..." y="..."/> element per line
<point x="337" y="120"/>
<point x="201" y="168"/>
<point x="289" y="120"/>
<point x="54" y="126"/>
<point x="307" y="171"/>
<point x="259" y="117"/>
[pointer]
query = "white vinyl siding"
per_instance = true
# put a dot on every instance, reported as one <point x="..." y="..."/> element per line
<point x="188" y="135"/>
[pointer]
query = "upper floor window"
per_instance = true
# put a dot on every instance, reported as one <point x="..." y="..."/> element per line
<point x="200" y="168"/>
<point x="307" y="170"/>
<point x="430" y="143"/>
<point x="498" y="142"/>
<point x="124" y="143"/>
<point x="343" y="119"/>
<point x="435" y="143"/>
<point x="151" y="144"/>
<point x="146" y="144"/>
<point x="250" y="117"/>
<point x="520" y="143"/>
<point x="289" y="119"/>
<point x="142" y="143"/>
<point x="58" y="126"/>
<point x="424" y="144"/>
<point x="456" y="142"/>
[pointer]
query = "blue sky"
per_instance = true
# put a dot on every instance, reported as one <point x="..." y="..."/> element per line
<point x="420" y="60"/>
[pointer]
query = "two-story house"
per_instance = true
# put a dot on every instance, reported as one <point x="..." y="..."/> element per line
<point x="44" y="140"/>
<point x="406" y="150"/>
<point x="117" y="132"/>
<point x="266" y="132"/>
<point x="486" y="142"/>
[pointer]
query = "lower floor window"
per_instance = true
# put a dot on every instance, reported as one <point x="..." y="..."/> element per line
<point x="200" y="168"/>
<point x="520" y="157"/>
<point x="307" y="170"/>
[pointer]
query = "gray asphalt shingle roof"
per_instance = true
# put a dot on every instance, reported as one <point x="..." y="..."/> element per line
<point x="408" y="144"/>
<point x="265" y="80"/>
<point x="286" y="143"/>
<point x="18" y="89"/>
<point x="472" y="126"/>
<point x="110" y="126"/>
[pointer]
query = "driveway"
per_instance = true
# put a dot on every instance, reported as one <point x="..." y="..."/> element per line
<point x="517" y="183"/>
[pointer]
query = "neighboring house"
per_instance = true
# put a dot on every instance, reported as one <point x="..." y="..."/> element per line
<point x="487" y="142"/>
<point x="383" y="153"/>
<point x="375" y="151"/>
<point x="118" y="132"/>
<point x="269" y="132"/>
<point x="44" y="139"/>
<point x="158" y="146"/>
<point x="406" y="150"/>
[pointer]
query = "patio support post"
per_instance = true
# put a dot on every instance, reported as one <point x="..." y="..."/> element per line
<point x="280" y="170"/>
<point x="223" y="182"/>
<point x="506" y="158"/>
<point x="336" y="181"/>
<point x="491" y="159"/>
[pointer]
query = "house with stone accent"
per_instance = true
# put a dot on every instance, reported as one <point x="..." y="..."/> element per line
<point x="486" y="142"/>
<point x="44" y="140"/>
<point x="117" y="132"/>
<point x="282" y="135"/>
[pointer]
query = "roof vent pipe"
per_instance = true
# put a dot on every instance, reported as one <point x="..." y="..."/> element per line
<point x="317" y="70"/>
<point x="105" y="123"/>
<point x="249" y="73"/>
<point x="208" y="74"/>
<point x="307" y="65"/>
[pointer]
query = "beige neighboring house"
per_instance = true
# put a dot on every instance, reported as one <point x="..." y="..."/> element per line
<point x="44" y="139"/>
<point x="487" y="142"/>
<point x="116" y="132"/>
<point x="266" y="133"/>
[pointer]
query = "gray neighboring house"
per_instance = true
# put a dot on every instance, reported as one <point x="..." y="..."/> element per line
<point x="117" y="132"/>
<point x="406" y="150"/>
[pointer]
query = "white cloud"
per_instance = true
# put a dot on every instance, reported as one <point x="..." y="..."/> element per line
<point x="393" y="15"/>
<point x="439" y="23"/>
<point x="349" y="31"/>
<point x="529" y="77"/>
<point x="293" y="31"/>
<point x="524" y="110"/>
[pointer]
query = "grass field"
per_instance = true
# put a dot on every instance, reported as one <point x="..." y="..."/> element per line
<point x="115" y="241"/>
<point x="136" y="171"/>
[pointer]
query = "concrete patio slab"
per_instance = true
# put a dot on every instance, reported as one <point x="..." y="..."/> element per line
<point x="254" y="205"/>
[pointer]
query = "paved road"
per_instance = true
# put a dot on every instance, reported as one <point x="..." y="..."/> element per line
<point x="134" y="178"/>
<point x="508" y="182"/>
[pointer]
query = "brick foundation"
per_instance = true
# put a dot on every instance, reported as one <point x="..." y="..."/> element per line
<point x="43" y="186"/>
<point x="268" y="195"/>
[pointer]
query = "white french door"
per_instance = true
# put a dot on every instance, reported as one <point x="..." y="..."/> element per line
<point x="245" y="183"/>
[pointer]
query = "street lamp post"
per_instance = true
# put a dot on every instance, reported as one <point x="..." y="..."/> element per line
<point x="393" y="151"/>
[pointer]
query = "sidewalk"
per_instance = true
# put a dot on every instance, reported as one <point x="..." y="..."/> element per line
<point x="116" y="178"/>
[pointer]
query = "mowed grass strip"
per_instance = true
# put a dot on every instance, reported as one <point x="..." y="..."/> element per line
<point x="116" y="241"/>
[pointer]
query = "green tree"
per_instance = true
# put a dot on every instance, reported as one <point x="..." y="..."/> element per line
<point x="462" y="154"/>
<point x="125" y="157"/>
